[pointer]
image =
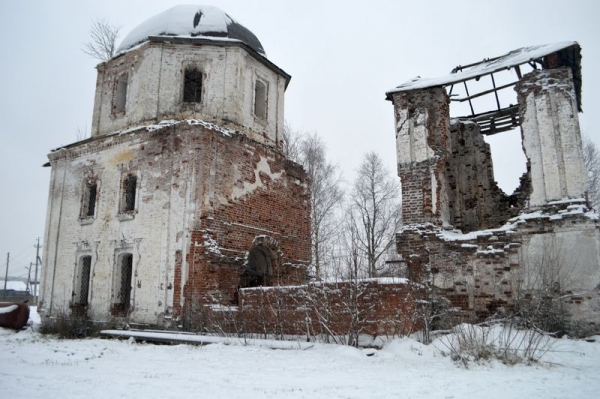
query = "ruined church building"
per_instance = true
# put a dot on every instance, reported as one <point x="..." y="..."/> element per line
<point x="182" y="197"/>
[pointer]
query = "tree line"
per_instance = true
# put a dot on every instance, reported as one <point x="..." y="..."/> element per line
<point x="353" y="224"/>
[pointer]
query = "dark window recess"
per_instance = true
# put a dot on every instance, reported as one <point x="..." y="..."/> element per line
<point x="260" y="99"/>
<point x="258" y="270"/>
<point x="124" y="292"/>
<point x="129" y="189"/>
<point x="121" y="94"/>
<point x="89" y="200"/>
<point x="192" y="86"/>
<point x="84" y="280"/>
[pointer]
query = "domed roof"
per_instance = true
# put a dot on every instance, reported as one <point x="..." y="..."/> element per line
<point x="191" y="21"/>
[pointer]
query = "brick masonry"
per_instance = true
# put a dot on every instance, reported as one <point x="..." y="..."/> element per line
<point x="373" y="307"/>
<point x="448" y="183"/>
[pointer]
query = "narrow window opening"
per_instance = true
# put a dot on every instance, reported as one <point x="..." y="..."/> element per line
<point x="260" y="99"/>
<point x="90" y="193"/>
<point x="192" y="86"/>
<point x="85" y="268"/>
<point x="128" y="194"/>
<point x="121" y="94"/>
<point x="124" y="274"/>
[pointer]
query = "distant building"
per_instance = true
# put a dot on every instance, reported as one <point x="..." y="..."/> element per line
<point x="16" y="291"/>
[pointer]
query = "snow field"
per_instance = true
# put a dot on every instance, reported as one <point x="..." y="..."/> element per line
<point x="35" y="366"/>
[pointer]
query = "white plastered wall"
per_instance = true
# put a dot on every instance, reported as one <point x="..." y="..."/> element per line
<point x="158" y="228"/>
<point x="155" y="89"/>
<point x="551" y="136"/>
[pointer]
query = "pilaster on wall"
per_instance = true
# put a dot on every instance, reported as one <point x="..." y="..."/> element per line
<point x="422" y="149"/>
<point x="551" y="135"/>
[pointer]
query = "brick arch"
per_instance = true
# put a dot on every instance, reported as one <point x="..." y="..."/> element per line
<point x="262" y="260"/>
<point x="270" y="244"/>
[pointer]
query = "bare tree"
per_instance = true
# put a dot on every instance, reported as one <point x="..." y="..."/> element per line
<point x="102" y="42"/>
<point x="591" y="159"/>
<point x="290" y="142"/>
<point x="326" y="196"/>
<point x="375" y="202"/>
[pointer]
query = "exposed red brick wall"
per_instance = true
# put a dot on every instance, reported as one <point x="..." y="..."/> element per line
<point x="365" y="307"/>
<point x="416" y="177"/>
<point x="275" y="215"/>
<point x="474" y="275"/>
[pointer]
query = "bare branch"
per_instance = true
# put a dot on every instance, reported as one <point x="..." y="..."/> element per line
<point x="591" y="160"/>
<point x="102" y="42"/>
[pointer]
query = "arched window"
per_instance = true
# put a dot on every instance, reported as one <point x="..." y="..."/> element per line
<point x="192" y="86"/>
<point x="259" y="268"/>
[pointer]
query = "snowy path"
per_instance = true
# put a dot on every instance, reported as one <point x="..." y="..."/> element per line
<point x="32" y="366"/>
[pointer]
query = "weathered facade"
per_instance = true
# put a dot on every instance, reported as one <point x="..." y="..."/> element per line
<point x="182" y="194"/>
<point x="478" y="246"/>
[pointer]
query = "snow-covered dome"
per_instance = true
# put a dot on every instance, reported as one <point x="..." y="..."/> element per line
<point x="192" y="21"/>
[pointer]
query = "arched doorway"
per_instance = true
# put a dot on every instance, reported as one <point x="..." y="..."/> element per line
<point x="258" y="269"/>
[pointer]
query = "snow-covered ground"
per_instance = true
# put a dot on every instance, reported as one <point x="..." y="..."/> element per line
<point x="34" y="366"/>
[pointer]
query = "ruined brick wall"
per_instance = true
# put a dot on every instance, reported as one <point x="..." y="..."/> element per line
<point x="251" y="195"/>
<point x="423" y="148"/>
<point x="476" y="201"/>
<point x="482" y="272"/>
<point x="205" y="196"/>
<point x="373" y="307"/>
<point x="476" y="274"/>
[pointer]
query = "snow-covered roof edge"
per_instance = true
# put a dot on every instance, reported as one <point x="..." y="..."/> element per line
<point x="507" y="61"/>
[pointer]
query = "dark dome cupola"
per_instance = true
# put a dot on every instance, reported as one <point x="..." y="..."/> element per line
<point x="192" y="21"/>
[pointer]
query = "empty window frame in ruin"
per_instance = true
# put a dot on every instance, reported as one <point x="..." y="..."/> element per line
<point x="463" y="79"/>
<point x="260" y="99"/>
<point x="88" y="201"/>
<point x="83" y="280"/>
<point x="123" y="274"/>
<point x="120" y="96"/>
<point x="479" y="92"/>
<point x="192" y="85"/>
<point x="128" y="194"/>
<point x="258" y="269"/>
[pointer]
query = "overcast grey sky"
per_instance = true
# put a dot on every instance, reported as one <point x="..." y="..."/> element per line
<point x="343" y="56"/>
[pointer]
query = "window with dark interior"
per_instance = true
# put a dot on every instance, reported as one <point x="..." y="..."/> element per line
<point x="128" y="192"/>
<point x="88" y="204"/>
<point x="121" y="94"/>
<point x="258" y="270"/>
<point x="260" y="99"/>
<point x="192" y="86"/>
<point x="123" y="283"/>
<point x="83" y="289"/>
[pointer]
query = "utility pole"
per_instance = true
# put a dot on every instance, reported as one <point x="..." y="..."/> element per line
<point x="29" y="277"/>
<point x="6" y="276"/>
<point x="37" y="262"/>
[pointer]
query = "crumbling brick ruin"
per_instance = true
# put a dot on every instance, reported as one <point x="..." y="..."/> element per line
<point x="475" y="245"/>
<point x="182" y="202"/>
